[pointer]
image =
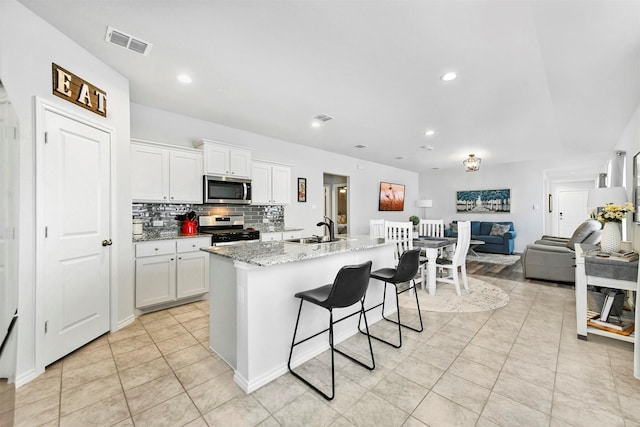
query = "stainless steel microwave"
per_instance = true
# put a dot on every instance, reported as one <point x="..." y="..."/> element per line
<point x="227" y="190"/>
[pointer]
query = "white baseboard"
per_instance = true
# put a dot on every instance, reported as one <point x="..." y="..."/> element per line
<point x="124" y="322"/>
<point x="25" y="377"/>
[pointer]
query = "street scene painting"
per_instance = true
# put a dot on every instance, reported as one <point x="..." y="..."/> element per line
<point x="484" y="201"/>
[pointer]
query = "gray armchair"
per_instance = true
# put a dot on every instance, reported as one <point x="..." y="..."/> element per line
<point x="553" y="258"/>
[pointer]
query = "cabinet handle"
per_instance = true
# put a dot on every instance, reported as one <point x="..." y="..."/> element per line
<point x="107" y="242"/>
<point x="171" y="197"/>
<point x="157" y="249"/>
<point x="172" y="259"/>
<point x="164" y="197"/>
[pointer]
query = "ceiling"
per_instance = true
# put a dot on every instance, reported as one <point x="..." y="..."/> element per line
<point x="535" y="78"/>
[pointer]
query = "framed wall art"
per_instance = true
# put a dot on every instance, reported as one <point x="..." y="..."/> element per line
<point x="302" y="189"/>
<point x="484" y="201"/>
<point x="391" y="197"/>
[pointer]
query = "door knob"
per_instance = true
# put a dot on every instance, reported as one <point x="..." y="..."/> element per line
<point x="107" y="242"/>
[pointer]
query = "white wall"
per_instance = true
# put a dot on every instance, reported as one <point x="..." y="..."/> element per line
<point x="630" y="142"/>
<point x="28" y="47"/>
<point x="162" y="126"/>
<point x="525" y="180"/>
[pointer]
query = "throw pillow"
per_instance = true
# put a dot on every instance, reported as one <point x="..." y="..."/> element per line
<point x="454" y="228"/>
<point x="499" y="229"/>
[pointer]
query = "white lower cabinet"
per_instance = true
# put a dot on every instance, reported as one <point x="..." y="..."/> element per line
<point x="193" y="269"/>
<point x="170" y="270"/>
<point x="274" y="236"/>
<point x="155" y="280"/>
<point x="286" y="235"/>
<point x="271" y="236"/>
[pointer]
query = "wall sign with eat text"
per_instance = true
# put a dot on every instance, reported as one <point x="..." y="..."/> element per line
<point x="74" y="89"/>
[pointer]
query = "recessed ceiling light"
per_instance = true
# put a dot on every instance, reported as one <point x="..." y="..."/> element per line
<point x="184" y="78"/>
<point x="315" y="124"/>
<point x="399" y="158"/>
<point x="429" y="132"/>
<point x="448" y="77"/>
<point x="360" y="146"/>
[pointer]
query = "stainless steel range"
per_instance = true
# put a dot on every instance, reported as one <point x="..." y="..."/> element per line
<point x="226" y="230"/>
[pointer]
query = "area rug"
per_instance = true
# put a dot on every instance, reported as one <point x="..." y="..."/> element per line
<point x="494" y="258"/>
<point x="482" y="296"/>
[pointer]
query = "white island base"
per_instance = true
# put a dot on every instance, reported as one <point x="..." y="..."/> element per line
<point x="253" y="311"/>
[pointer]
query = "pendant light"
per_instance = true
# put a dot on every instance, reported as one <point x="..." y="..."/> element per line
<point x="472" y="164"/>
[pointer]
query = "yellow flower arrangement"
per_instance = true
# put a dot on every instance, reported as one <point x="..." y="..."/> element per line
<point x="614" y="213"/>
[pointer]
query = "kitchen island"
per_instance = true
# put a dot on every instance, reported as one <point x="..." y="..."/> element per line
<point x="253" y="309"/>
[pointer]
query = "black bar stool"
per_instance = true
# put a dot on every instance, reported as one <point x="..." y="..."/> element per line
<point x="348" y="288"/>
<point x="405" y="272"/>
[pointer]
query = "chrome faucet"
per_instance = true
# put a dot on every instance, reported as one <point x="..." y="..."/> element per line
<point x="329" y="224"/>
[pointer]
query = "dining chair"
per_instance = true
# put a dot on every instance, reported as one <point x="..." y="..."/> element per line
<point x="376" y="228"/>
<point x="431" y="227"/>
<point x="400" y="233"/>
<point x="458" y="259"/>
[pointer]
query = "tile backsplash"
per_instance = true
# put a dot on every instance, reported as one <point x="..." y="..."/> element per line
<point x="253" y="215"/>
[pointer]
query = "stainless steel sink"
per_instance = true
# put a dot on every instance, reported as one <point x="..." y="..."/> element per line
<point x="316" y="240"/>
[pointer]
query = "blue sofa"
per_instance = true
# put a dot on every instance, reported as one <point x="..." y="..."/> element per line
<point x="481" y="230"/>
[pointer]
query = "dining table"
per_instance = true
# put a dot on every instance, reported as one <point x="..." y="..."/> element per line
<point x="431" y="246"/>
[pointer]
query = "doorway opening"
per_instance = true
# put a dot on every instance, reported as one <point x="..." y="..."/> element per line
<point x="336" y="201"/>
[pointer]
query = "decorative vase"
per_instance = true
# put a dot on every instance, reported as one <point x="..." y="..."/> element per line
<point x="611" y="237"/>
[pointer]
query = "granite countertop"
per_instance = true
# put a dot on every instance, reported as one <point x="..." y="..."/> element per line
<point x="152" y="236"/>
<point x="273" y="253"/>
<point x="264" y="228"/>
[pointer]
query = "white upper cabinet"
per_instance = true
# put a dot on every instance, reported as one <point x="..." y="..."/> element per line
<point x="164" y="174"/>
<point x="149" y="173"/>
<point x="260" y="183"/>
<point x="270" y="183"/>
<point x="281" y="184"/>
<point x="185" y="177"/>
<point x="222" y="159"/>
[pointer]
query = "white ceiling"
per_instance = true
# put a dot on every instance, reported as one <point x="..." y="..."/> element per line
<point x="536" y="78"/>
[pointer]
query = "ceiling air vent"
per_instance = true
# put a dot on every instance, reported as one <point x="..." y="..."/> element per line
<point x="323" y="117"/>
<point x="122" y="39"/>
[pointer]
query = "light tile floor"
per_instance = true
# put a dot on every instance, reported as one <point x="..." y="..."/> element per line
<point x="520" y="365"/>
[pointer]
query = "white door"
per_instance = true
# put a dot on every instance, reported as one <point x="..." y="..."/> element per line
<point x="572" y="211"/>
<point x="76" y="213"/>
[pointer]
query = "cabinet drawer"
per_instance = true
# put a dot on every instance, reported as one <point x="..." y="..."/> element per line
<point x="163" y="247"/>
<point x="270" y="237"/>
<point x="291" y="235"/>
<point x="192" y="245"/>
